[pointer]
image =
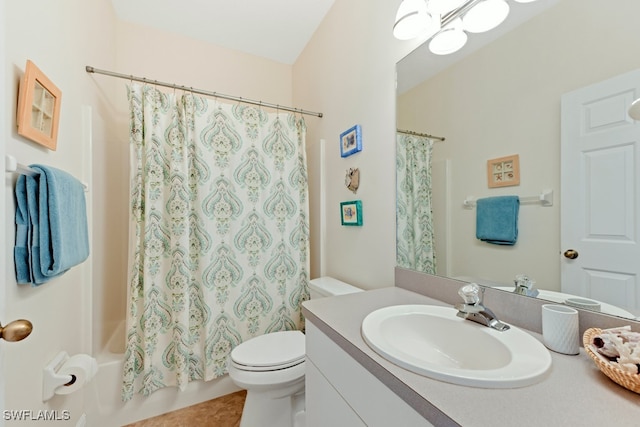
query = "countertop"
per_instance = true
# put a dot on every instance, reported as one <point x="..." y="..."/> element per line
<point x="574" y="392"/>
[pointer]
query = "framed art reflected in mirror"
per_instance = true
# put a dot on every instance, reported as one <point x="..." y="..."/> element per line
<point x="39" y="103"/>
<point x="503" y="171"/>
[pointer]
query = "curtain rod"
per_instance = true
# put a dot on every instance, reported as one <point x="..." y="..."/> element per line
<point x="90" y="69"/>
<point x="410" y="132"/>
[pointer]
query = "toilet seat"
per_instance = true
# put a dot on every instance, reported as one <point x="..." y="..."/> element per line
<point x="270" y="352"/>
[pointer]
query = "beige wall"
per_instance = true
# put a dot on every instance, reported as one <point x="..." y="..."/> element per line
<point x="505" y="99"/>
<point x="347" y="71"/>
<point x="60" y="38"/>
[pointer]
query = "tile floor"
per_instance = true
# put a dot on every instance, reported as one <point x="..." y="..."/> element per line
<point x="224" y="411"/>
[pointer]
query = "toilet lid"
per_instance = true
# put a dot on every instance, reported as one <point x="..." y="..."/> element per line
<point x="277" y="350"/>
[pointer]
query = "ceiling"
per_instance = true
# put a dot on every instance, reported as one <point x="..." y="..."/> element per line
<point x="274" y="29"/>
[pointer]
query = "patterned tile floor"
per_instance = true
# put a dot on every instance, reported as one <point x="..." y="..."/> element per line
<point x="224" y="411"/>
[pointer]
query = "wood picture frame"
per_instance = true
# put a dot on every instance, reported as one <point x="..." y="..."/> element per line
<point x="503" y="171"/>
<point x="351" y="141"/>
<point x="39" y="103"/>
<point x="351" y="213"/>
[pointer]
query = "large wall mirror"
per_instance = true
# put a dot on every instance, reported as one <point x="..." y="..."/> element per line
<point x="501" y="96"/>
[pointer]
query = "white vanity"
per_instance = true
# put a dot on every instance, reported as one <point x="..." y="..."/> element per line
<point x="348" y="384"/>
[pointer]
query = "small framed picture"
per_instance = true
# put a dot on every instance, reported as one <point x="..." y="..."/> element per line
<point x="351" y="213"/>
<point x="503" y="171"/>
<point x="38" y="107"/>
<point x="351" y="141"/>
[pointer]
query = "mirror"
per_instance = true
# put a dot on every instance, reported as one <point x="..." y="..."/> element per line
<point x="500" y="96"/>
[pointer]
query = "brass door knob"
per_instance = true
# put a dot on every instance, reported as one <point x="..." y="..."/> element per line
<point x="571" y="254"/>
<point x="16" y="330"/>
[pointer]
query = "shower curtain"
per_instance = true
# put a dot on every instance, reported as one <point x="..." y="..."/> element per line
<point x="415" y="246"/>
<point x="219" y="234"/>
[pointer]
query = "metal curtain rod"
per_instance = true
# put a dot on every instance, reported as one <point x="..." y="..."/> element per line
<point x="90" y="69"/>
<point x="410" y="132"/>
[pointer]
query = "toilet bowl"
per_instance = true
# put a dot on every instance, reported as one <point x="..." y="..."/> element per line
<point x="271" y="368"/>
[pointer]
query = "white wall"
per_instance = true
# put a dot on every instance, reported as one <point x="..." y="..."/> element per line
<point x="60" y="38"/>
<point x="347" y="71"/>
<point x="505" y="99"/>
<point x="3" y="191"/>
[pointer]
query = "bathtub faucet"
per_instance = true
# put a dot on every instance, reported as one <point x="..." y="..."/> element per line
<point x="473" y="309"/>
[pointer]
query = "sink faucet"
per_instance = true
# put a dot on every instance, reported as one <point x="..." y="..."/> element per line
<point x="525" y="286"/>
<point x="473" y="309"/>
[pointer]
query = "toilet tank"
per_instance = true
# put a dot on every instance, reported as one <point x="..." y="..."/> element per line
<point x="328" y="286"/>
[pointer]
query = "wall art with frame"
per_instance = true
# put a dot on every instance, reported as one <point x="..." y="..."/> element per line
<point x="351" y="213"/>
<point x="504" y="171"/>
<point x="39" y="103"/>
<point x="351" y="141"/>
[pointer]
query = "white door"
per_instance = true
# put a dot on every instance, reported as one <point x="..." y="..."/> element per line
<point x="600" y="209"/>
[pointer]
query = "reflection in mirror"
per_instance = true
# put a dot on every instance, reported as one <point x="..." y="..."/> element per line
<point x="502" y="96"/>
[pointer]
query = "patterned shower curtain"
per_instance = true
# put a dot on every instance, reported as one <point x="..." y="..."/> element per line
<point x="219" y="234"/>
<point x="415" y="246"/>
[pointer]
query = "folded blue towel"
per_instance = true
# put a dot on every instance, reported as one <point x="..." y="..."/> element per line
<point x="56" y="231"/>
<point x="22" y="248"/>
<point x="497" y="219"/>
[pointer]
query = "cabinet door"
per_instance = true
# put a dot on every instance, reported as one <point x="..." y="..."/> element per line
<point x="325" y="406"/>
<point x="373" y="402"/>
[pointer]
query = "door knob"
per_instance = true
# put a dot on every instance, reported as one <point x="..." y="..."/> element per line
<point x="16" y="330"/>
<point x="571" y="254"/>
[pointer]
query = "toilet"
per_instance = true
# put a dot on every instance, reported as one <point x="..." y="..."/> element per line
<point x="271" y="368"/>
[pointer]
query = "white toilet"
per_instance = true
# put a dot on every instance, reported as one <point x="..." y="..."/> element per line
<point x="271" y="368"/>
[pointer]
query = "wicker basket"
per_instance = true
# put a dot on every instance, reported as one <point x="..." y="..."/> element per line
<point x="625" y="379"/>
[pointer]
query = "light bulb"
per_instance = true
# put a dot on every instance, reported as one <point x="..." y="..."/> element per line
<point x="412" y="19"/>
<point x="450" y="39"/>
<point x="485" y="16"/>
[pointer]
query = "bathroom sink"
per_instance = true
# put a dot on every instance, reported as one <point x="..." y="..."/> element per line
<point x="432" y="341"/>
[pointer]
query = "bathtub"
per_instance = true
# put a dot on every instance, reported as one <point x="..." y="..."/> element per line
<point x="103" y="403"/>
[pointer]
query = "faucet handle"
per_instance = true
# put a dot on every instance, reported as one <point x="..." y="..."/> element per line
<point x="470" y="293"/>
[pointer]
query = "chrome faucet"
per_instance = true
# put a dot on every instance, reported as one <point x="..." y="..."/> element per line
<point x="473" y="309"/>
<point x="525" y="286"/>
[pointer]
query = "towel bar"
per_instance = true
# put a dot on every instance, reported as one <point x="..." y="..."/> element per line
<point x="11" y="165"/>
<point x="545" y="198"/>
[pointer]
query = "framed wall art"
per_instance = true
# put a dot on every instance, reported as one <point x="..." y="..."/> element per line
<point x="351" y="141"/>
<point x="39" y="103"/>
<point x="351" y="213"/>
<point x="504" y="171"/>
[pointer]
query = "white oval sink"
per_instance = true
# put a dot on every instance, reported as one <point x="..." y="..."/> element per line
<point x="432" y="341"/>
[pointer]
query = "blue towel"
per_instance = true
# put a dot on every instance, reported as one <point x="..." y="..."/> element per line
<point x="51" y="225"/>
<point x="497" y="219"/>
<point x="22" y="249"/>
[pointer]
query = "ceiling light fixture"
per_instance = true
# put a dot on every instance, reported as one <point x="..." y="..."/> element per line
<point x="413" y="19"/>
<point x="435" y="18"/>
<point x="450" y="39"/>
<point x="485" y="16"/>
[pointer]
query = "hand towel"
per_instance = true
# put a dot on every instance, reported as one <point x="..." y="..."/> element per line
<point x="62" y="221"/>
<point x="22" y="248"/>
<point x="497" y="219"/>
<point x="56" y="231"/>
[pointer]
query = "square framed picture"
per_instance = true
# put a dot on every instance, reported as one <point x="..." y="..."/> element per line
<point x="351" y="213"/>
<point x="504" y="171"/>
<point x="351" y="141"/>
<point x="39" y="103"/>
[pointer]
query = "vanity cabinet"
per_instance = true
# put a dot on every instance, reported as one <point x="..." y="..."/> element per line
<point x="341" y="392"/>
